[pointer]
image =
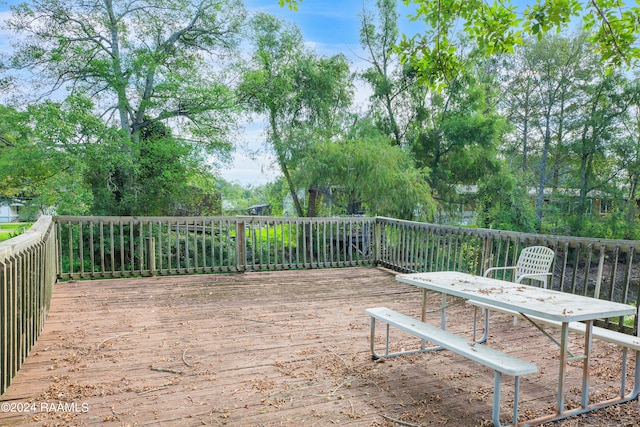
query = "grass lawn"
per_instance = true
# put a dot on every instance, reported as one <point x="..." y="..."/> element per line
<point x="12" y="229"/>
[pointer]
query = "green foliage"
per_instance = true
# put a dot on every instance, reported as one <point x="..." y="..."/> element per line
<point x="497" y="28"/>
<point x="13" y="229"/>
<point x="42" y="161"/>
<point x="457" y="140"/>
<point x="292" y="4"/>
<point x="273" y="243"/>
<point x="303" y="95"/>
<point x="391" y="84"/>
<point x="146" y="72"/>
<point x="365" y="171"/>
<point x="60" y="156"/>
<point x="493" y="27"/>
<point x="123" y="247"/>
<point x="237" y="199"/>
<point x="504" y="204"/>
<point x="614" y="225"/>
<point x="471" y="256"/>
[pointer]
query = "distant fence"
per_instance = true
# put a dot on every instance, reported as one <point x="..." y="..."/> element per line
<point x="27" y="276"/>
<point x="110" y="247"/>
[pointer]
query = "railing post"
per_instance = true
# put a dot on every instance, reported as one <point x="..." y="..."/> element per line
<point x="377" y="242"/>
<point x="596" y="292"/>
<point x="487" y="254"/>
<point x="241" y="261"/>
<point x="150" y="244"/>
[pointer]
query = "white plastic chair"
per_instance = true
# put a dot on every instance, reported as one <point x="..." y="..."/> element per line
<point x="533" y="263"/>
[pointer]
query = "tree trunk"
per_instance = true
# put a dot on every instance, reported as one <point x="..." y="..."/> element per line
<point x="277" y="144"/>
<point x="632" y="204"/>
<point x="543" y="169"/>
<point x="313" y="201"/>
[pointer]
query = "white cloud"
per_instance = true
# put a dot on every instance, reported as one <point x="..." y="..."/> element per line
<point x="5" y="47"/>
<point x="253" y="164"/>
<point x="249" y="170"/>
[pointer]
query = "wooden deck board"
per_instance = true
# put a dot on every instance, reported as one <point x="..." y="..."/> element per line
<point x="271" y="349"/>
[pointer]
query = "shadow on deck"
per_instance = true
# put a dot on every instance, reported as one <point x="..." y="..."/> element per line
<point x="265" y="349"/>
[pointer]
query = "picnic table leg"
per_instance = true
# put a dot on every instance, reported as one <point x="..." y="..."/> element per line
<point x="443" y="319"/>
<point x="423" y="316"/>
<point x="564" y="343"/>
<point x="586" y="363"/>
<point x="497" y="382"/>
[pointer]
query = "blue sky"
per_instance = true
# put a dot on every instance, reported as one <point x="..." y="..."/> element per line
<point x="331" y="24"/>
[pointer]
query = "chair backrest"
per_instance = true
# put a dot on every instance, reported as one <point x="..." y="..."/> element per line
<point x="534" y="260"/>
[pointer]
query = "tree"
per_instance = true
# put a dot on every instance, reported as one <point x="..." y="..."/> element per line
<point x="497" y="27"/>
<point x="144" y="62"/>
<point x="565" y="109"/>
<point x="302" y="96"/>
<point x="456" y="137"/>
<point x="366" y="172"/>
<point x="627" y="150"/>
<point x="597" y="127"/>
<point x="504" y="204"/>
<point x="385" y="74"/>
<point x="42" y="153"/>
<point x="519" y="104"/>
<point x="558" y="65"/>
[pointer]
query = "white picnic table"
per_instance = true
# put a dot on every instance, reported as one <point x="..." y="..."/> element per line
<point x="536" y="302"/>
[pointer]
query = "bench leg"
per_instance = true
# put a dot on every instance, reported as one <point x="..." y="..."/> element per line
<point x="485" y="335"/>
<point x="623" y="383"/>
<point x="497" y="386"/>
<point x="386" y="355"/>
<point x="636" y="385"/>
<point x="623" y="380"/>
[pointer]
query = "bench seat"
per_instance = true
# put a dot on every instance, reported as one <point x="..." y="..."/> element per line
<point x="482" y="354"/>
<point x="500" y="362"/>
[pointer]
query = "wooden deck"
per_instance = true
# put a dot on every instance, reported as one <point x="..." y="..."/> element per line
<point x="270" y="349"/>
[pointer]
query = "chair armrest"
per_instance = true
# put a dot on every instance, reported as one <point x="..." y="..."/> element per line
<point x="541" y="277"/>
<point x="534" y="275"/>
<point x="488" y="270"/>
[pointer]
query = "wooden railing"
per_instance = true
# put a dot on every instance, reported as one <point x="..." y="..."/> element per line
<point x="106" y="247"/>
<point x="27" y="276"/>
<point x="605" y="269"/>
